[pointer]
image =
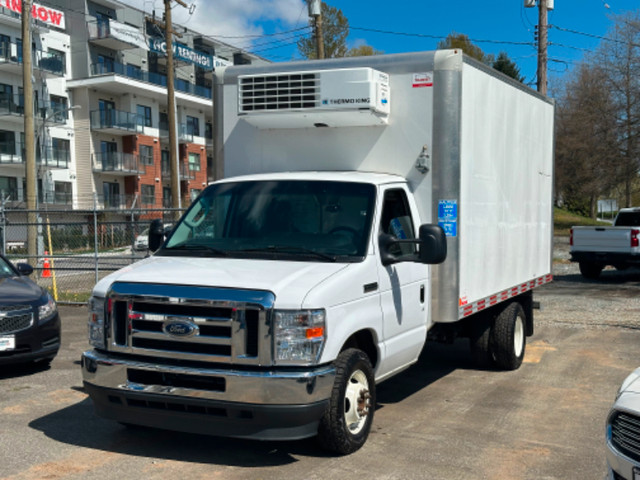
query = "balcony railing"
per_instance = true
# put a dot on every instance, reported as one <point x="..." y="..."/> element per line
<point x="116" y="120"/>
<point x="185" y="173"/>
<point x="117" y="163"/>
<point x="55" y="158"/>
<point x="131" y="71"/>
<point x="55" y="198"/>
<point x="51" y="62"/>
<point x="185" y="134"/>
<point x="11" y="54"/>
<point x="117" y="201"/>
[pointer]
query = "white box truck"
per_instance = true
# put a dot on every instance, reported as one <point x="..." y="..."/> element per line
<point x="365" y="204"/>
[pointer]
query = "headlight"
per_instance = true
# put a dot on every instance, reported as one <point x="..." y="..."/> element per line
<point x="299" y="336"/>
<point x="96" y="322"/>
<point x="48" y="309"/>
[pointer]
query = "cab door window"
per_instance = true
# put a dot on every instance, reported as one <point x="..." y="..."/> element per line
<point x="396" y="220"/>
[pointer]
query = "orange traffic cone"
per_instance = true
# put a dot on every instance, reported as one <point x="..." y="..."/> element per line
<point x="46" y="266"/>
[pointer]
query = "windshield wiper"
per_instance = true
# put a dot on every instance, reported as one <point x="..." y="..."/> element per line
<point x="290" y="249"/>
<point x="198" y="248"/>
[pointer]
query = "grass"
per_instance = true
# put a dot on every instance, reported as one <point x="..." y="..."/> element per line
<point x="73" y="297"/>
<point x="563" y="220"/>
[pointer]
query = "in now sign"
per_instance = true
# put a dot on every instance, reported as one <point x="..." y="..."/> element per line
<point x="39" y="12"/>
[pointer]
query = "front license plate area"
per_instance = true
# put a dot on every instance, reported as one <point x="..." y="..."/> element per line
<point x="7" y="342"/>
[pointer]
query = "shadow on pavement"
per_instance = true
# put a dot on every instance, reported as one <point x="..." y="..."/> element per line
<point x="78" y="424"/>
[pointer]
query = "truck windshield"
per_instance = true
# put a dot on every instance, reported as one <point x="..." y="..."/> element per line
<point x="292" y="219"/>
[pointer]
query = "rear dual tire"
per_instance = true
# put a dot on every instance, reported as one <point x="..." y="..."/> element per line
<point x="501" y="341"/>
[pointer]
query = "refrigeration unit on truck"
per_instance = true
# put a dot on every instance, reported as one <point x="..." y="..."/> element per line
<point x="364" y="205"/>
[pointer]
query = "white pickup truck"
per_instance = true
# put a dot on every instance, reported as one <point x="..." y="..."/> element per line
<point x="596" y="247"/>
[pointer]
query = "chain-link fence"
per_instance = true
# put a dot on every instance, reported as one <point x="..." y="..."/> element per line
<point x="76" y="248"/>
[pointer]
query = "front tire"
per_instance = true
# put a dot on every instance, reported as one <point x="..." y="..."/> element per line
<point x="508" y="337"/>
<point x="345" y="426"/>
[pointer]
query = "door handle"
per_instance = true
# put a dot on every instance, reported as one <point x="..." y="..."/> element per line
<point x="370" y="287"/>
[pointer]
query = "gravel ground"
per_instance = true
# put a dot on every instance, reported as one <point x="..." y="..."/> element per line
<point x="611" y="301"/>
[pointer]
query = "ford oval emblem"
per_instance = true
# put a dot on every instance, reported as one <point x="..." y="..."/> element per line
<point x="180" y="328"/>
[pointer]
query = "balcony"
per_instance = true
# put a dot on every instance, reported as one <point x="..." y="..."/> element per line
<point x="51" y="197"/>
<point x="50" y="64"/>
<point x="117" y="163"/>
<point x="11" y="153"/>
<point x="123" y="74"/>
<point x="185" y="134"/>
<point x="115" y="35"/>
<point x="185" y="173"/>
<point x="54" y="158"/>
<point x="116" y="122"/>
<point x="116" y="201"/>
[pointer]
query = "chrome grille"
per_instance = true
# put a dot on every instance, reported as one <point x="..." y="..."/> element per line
<point x="625" y="434"/>
<point x="14" y="318"/>
<point x="214" y="325"/>
<point x="279" y="92"/>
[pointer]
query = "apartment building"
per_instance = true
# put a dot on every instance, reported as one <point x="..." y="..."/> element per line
<point x="102" y="123"/>
<point x="54" y="128"/>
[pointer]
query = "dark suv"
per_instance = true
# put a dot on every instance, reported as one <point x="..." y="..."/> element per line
<point x="29" y="321"/>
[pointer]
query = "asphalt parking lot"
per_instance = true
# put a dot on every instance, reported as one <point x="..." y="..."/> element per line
<point x="442" y="419"/>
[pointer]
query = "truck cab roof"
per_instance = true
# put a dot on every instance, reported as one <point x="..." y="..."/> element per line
<point x="333" y="176"/>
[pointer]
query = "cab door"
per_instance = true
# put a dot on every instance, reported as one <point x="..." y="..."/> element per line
<point x="403" y="286"/>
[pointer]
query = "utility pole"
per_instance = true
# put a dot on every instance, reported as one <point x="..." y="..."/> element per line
<point x="542" y="46"/>
<point x="315" y="12"/>
<point x="29" y="136"/>
<point x="174" y="157"/>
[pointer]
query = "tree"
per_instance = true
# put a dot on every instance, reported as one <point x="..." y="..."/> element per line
<point x="504" y="64"/>
<point x="620" y="61"/>
<point x="586" y="137"/>
<point x="335" y="28"/>
<point x="363" y="51"/>
<point x="462" y="42"/>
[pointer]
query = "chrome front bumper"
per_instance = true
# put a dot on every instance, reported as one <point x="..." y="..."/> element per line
<point x="259" y="404"/>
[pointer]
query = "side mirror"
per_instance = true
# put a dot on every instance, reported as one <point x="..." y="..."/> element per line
<point x="433" y="244"/>
<point x="24" y="269"/>
<point x="156" y="234"/>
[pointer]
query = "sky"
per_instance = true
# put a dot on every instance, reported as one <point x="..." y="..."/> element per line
<point x="270" y="28"/>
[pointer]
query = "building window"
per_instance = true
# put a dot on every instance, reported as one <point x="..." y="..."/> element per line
<point x="59" y="108"/>
<point x="164" y="121"/>
<point x="164" y="163"/>
<point x="61" y="152"/>
<point x="7" y="142"/>
<point x="5" y="47"/>
<point x="111" y="193"/>
<point x="146" y="154"/>
<point x="9" y="188"/>
<point x="55" y="61"/>
<point x="105" y="65"/>
<point x="144" y="115"/>
<point x="7" y="103"/>
<point x="166" y="197"/>
<point x="193" y="126"/>
<point x="194" y="162"/>
<point x="62" y="193"/>
<point x="148" y="194"/>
